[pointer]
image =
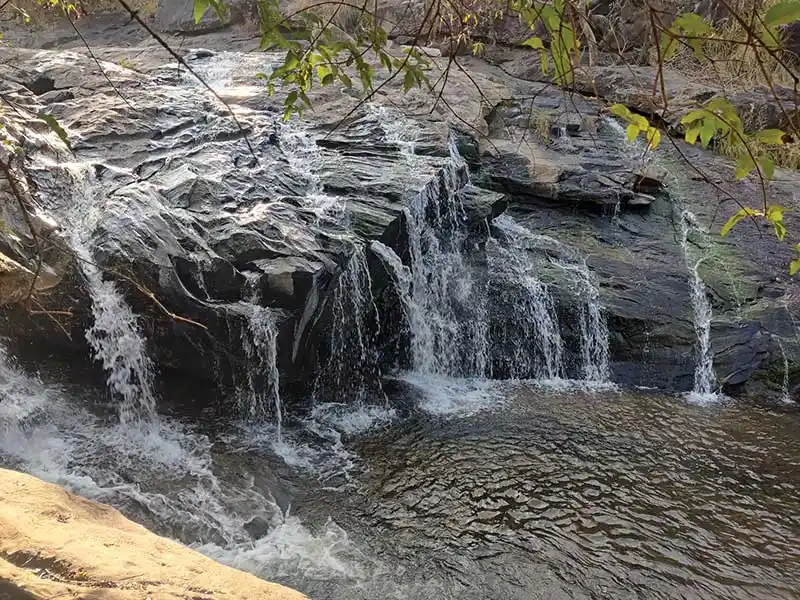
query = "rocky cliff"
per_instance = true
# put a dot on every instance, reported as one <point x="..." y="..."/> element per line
<point x="196" y="217"/>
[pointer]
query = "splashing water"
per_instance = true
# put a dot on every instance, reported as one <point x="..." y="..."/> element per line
<point x="532" y="346"/>
<point x="260" y="341"/>
<point x="115" y="337"/>
<point x="171" y="479"/>
<point x="704" y="377"/>
<point x="353" y="369"/>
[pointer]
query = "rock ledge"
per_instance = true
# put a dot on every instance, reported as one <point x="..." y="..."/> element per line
<point x="55" y="544"/>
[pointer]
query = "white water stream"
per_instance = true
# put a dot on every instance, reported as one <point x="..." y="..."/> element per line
<point x="704" y="389"/>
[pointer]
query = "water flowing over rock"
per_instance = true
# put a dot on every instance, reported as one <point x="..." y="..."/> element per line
<point x="531" y="345"/>
<point x="704" y="378"/>
<point x="370" y="242"/>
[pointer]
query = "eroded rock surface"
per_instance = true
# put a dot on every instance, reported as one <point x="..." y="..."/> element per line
<point x="53" y="543"/>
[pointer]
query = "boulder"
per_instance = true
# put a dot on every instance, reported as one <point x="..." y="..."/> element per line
<point x="177" y="16"/>
<point x="53" y="543"/>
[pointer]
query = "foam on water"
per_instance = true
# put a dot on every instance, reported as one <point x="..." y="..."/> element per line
<point x="453" y="397"/>
<point x="161" y="474"/>
<point x="290" y="551"/>
<point x="353" y="420"/>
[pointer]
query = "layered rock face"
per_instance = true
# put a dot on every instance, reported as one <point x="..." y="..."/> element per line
<point x="201" y="216"/>
<point x="53" y="543"/>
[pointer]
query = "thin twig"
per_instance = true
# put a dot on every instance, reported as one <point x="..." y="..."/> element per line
<point x="94" y="58"/>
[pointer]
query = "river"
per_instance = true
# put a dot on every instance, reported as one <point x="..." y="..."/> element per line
<point x="457" y="489"/>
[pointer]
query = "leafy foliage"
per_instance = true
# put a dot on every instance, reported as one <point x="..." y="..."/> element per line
<point x="637" y="124"/>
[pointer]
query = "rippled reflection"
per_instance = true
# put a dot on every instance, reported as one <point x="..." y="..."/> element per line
<point x="594" y="497"/>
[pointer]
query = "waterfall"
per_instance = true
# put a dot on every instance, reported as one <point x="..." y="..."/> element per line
<point x="531" y="343"/>
<point x="704" y="377"/>
<point x="446" y="297"/>
<point x="352" y="369"/>
<point x="786" y="396"/>
<point x="449" y="329"/>
<point x="401" y="275"/>
<point x="115" y="337"/>
<point x="536" y="311"/>
<point x="260" y="342"/>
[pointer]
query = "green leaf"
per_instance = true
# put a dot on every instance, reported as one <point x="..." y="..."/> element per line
<point x="770" y="136"/>
<point x="324" y="71"/>
<point x="653" y="137"/>
<point x="694" y="115"/>
<point x="691" y="134"/>
<point x="291" y="98"/>
<point x="730" y="223"/>
<point x="345" y="79"/>
<point x="783" y="13"/>
<point x="744" y="166"/>
<point x="775" y="216"/>
<point x="767" y="166"/>
<point x="408" y="81"/>
<point x="291" y="61"/>
<point x="668" y="45"/>
<point x="621" y="111"/>
<point x="769" y="36"/>
<point x="200" y="8"/>
<point x="543" y="62"/>
<point x="55" y="126"/>
<point x="707" y="131"/>
<point x="534" y="42"/>
<point x="692" y="24"/>
<point x="641" y="122"/>
<point x="794" y="267"/>
<point x="697" y="49"/>
<point x="632" y="132"/>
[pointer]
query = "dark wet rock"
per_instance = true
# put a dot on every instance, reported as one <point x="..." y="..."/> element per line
<point x="188" y="212"/>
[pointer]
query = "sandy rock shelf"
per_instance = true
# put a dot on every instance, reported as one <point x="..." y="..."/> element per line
<point x="54" y="544"/>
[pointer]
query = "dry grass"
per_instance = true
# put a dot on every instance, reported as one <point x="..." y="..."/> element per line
<point x="43" y="12"/>
<point x="346" y="18"/>
<point x="786" y="156"/>
<point x="734" y="59"/>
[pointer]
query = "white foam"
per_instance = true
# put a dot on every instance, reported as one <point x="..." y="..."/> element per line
<point x="450" y="396"/>
<point x="576" y="385"/>
<point x="703" y="398"/>
<point x="353" y="419"/>
<point x="292" y="551"/>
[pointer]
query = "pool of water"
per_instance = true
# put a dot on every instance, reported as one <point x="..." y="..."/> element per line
<point x="475" y="490"/>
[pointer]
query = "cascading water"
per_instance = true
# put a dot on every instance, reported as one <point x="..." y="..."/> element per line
<point x="786" y="396"/>
<point x="449" y="329"/>
<point x="352" y="370"/>
<point x="305" y="157"/>
<point x="704" y="377"/>
<point x="115" y="337"/>
<point x="593" y="326"/>
<point x="531" y="343"/>
<point x="538" y="312"/>
<point x="260" y="341"/>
